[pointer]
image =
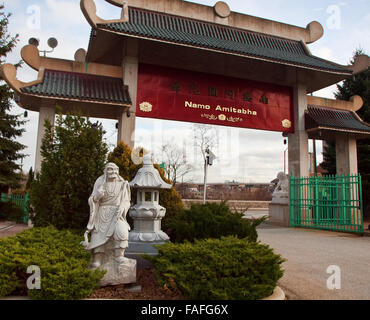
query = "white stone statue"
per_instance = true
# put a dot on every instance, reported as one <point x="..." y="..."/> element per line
<point x="109" y="204"/>
<point x="281" y="192"/>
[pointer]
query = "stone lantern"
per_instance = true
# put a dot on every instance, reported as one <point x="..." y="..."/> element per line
<point x="147" y="213"/>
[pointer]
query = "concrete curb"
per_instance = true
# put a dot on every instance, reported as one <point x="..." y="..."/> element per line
<point x="278" y="294"/>
<point x="15" y="298"/>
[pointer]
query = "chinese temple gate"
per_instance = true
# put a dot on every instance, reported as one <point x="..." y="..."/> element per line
<point x="177" y="60"/>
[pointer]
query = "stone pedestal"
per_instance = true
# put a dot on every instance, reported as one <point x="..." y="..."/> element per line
<point x="147" y="228"/>
<point x="118" y="272"/>
<point x="279" y="214"/>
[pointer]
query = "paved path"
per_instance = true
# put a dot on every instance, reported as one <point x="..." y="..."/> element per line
<point x="10" y="228"/>
<point x="310" y="252"/>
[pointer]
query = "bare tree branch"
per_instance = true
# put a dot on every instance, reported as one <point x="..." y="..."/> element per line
<point x="205" y="136"/>
<point x="176" y="164"/>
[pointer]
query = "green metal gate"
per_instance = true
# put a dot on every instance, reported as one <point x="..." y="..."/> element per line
<point x="330" y="202"/>
<point x="19" y="200"/>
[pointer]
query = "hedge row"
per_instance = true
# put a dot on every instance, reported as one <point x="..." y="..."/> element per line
<point x="62" y="261"/>
<point x="211" y="220"/>
<point x="219" y="269"/>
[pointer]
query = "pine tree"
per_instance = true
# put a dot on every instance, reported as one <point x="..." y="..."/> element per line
<point x="30" y="178"/>
<point x="74" y="155"/>
<point x="10" y="149"/>
<point x="357" y="85"/>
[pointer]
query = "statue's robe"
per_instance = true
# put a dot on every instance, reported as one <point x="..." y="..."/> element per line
<point x="108" y="215"/>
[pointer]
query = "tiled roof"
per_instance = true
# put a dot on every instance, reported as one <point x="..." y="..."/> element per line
<point x="160" y="26"/>
<point x="80" y="86"/>
<point x="318" y="117"/>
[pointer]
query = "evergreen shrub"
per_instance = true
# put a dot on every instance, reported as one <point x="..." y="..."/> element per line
<point x="11" y="212"/>
<point x="11" y="124"/>
<point x="211" y="220"/>
<point x="62" y="261"/>
<point x="74" y="155"/>
<point x="218" y="269"/>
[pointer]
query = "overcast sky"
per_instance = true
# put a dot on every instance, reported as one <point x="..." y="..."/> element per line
<point x="243" y="155"/>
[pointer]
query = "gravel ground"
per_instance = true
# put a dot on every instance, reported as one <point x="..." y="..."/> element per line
<point x="310" y="252"/>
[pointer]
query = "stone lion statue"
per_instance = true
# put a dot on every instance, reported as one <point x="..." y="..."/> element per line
<point x="281" y="192"/>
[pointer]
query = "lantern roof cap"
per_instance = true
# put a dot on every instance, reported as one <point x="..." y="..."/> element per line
<point x="148" y="177"/>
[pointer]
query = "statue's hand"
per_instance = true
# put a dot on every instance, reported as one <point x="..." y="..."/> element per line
<point x="85" y="243"/>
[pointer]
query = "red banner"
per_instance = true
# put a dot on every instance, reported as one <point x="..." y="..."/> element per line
<point x="173" y="94"/>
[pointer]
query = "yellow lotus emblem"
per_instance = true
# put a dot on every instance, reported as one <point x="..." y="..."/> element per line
<point x="286" y="123"/>
<point x="146" y="107"/>
<point x="222" y="117"/>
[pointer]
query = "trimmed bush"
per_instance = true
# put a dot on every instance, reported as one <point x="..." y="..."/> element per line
<point x="211" y="220"/>
<point x="218" y="269"/>
<point x="62" y="260"/>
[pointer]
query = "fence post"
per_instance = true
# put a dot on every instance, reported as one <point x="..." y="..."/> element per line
<point x="316" y="200"/>
<point x="25" y="208"/>
<point x="291" y="201"/>
<point x="361" y="204"/>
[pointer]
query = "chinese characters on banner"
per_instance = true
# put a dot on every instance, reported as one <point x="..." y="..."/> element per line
<point x="173" y="94"/>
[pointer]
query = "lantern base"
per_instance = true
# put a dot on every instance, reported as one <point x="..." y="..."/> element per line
<point x="141" y="247"/>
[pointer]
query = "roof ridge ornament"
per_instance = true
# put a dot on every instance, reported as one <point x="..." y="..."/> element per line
<point x="9" y="74"/>
<point x="30" y="55"/>
<point x="220" y="13"/>
<point x="88" y="8"/>
<point x="222" y="9"/>
<point x="355" y="103"/>
<point x="314" y="32"/>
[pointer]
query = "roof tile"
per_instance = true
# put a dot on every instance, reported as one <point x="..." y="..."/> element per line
<point x="81" y="86"/>
<point x="145" y="23"/>
<point x="337" y="119"/>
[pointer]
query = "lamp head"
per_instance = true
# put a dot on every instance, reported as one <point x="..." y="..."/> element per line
<point x="33" y="41"/>
<point x="52" y="43"/>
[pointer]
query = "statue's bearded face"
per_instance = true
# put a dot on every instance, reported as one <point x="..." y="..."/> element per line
<point x="112" y="172"/>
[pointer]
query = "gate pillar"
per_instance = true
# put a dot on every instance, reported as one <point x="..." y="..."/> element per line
<point x="298" y="159"/>
<point x="346" y="154"/>
<point x="126" y="120"/>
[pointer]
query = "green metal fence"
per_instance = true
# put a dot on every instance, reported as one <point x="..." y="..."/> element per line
<point x="19" y="200"/>
<point x="330" y="202"/>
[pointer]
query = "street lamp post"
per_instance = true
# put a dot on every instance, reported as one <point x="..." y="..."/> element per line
<point x="208" y="161"/>
<point x="285" y="142"/>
